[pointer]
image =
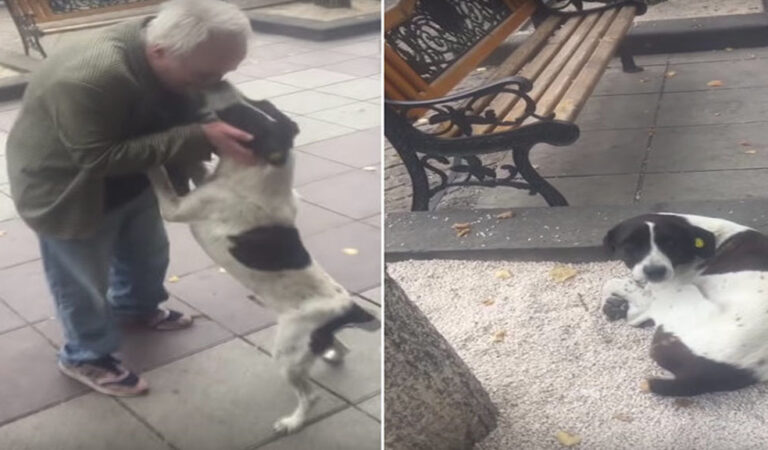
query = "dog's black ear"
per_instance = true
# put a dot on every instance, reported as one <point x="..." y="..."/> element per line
<point x="703" y="242"/>
<point x="610" y="240"/>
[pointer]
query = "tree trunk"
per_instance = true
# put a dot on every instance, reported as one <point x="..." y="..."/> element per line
<point x="334" y="3"/>
<point x="432" y="400"/>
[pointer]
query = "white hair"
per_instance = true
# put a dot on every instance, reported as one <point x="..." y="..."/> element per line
<point x="182" y="25"/>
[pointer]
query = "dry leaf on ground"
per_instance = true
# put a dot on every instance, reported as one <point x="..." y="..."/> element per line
<point x="750" y="152"/>
<point x="370" y="168"/>
<point x="567" y="439"/>
<point x="670" y="74"/>
<point x="728" y="49"/>
<point x="499" y="336"/>
<point x="503" y="274"/>
<point x="745" y="144"/>
<point x="644" y="386"/>
<point x="222" y="270"/>
<point x="623" y="417"/>
<point x="644" y="80"/>
<point x="488" y="302"/>
<point x="350" y="251"/>
<point x="562" y="273"/>
<point x="462" y="229"/>
<point x="715" y="83"/>
<point x="506" y="215"/>
<point x="2" y="233"/>
<point x="173" y="279"/>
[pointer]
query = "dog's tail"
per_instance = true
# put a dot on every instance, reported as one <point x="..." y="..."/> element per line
<point x="322" y="337"/>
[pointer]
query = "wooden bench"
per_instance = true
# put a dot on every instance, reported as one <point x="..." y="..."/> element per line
<point x="532" y="97"/>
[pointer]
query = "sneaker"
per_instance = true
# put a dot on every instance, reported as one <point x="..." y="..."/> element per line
<point x="106" y="375"/>
<point x="168" y="320"/>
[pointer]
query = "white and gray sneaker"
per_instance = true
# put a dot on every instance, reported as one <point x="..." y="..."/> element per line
<point x="106" y="375"/>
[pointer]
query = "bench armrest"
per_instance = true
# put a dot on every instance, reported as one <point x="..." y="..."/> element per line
<point x="463" y="110"/>
<point x="557" y="7"/>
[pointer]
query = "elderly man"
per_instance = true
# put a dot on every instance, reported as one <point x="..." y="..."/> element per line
<point x="95" y="117"/>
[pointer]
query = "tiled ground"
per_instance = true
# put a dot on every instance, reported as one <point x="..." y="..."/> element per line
<point x="214" y="385"/>
<point x="648" y="137"/>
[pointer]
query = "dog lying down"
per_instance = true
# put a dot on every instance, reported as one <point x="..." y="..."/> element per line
<point x="704" y="284"/>
<point x="244" y="218"/>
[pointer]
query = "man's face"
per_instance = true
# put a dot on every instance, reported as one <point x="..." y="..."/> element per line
<point x="204" y="66"/>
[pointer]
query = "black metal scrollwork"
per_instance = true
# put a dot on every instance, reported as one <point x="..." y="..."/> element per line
<point x="441" y="31"/>
<point x="68" y="6"/>
<point x="474" y="172"/>
<point x="561" y="7"/>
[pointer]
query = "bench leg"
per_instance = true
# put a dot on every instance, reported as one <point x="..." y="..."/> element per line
<point x="538" y="184"/>
<point x="628" y="63"/>
<point x="419" y="181"/>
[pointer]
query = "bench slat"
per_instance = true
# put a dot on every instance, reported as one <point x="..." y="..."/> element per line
<point x="570" y="71"/>
<point x="408" y="75"/>
<point x="576" y="96"/>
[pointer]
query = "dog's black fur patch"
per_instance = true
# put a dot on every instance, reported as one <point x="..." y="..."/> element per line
<point x="273" y="131"/>
<point x="322" y="337"/>
<point x="675" y="237"/>
<point x="743" y="251"/>
<point x="694" y="374"/>
<point x="270" y="248"/>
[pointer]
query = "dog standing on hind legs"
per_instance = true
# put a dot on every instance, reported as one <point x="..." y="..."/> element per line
<point x="244" y="218"/>
<point x="703" y="282"/>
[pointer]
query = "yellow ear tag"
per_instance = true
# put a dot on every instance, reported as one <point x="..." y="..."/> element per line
<point x="699" y="243"/>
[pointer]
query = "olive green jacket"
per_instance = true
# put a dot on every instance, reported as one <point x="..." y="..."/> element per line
<point x="95" y="113"/>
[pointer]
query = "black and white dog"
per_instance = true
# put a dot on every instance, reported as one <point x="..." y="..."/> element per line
<point x="704" y="283"/>
<point x="244" y="218"/>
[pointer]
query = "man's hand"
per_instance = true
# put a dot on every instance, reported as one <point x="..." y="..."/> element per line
<point x="229" y="141"/>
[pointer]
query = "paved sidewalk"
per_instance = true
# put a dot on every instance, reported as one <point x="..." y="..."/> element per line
<point x="660" y="135"/>
<point x="214" y="385"/>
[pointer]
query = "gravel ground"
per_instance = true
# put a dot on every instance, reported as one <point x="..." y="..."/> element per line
<point x="686" y="9"/>
<point x="563" y="367"/>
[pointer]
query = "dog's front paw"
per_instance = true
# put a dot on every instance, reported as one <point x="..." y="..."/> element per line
<point x="615" y="308"/>
<point x="288" y="424"/>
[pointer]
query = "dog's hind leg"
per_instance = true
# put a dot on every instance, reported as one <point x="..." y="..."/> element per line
<point x="296" y="371"/>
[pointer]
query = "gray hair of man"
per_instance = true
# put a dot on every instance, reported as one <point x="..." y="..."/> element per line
<point x="181" y="25"/>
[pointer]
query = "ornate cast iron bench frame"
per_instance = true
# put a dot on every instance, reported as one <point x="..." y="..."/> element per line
<point x="454" y="130"/>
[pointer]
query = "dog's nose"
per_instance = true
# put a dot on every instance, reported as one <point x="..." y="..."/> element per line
<point x="655" y="273"/>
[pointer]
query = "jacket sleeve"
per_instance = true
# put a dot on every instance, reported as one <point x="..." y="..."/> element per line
<point x="90" y="124"/>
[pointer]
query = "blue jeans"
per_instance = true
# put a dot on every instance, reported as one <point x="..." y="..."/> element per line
<point x="118" y="271"/>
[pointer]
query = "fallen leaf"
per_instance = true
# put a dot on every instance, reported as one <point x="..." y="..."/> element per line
<point x="670" y="74"/>
<point x="459" y="226"/>
<point x="750" y="152"/>
<point x="499" y="336"/>
<point x="644" y="80"/>
<point x="536" y="166"/>
<point x="683" y="402"/>
<point x="2" y="233"/>
<point x="463" y="232"/>
<point x="506" y="215"/>
<point x="350" y="251"/>
<point x="728" y="49"/>
<point x="715" y="83"/>
<point x="369" y="168"/>
<point x="503" y="274"/>
<point x="562" y="273"/>
<point x="624" y="417"/>
<point x="745" y="144"/>
<point x="488" y="302"/>
<point x="717" y="114"/>
<point x="644" y="386"/>
<point x="222" y="270"/>
<point x="173" y="279"/>
<point x="567" y="439"/>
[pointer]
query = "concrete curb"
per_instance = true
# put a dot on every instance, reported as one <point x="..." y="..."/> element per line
<point x="572" y="234"/>
<point x="314" y="29"/>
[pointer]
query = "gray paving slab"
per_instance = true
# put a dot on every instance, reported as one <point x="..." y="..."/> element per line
<point x="31" y="380"/>
<point x="311" y="78"/>
<point x="231" y="395"/>
<point x="373" y="295"/>
<point x="277" y="50"/>
<point x="358" y="149"/>
<point x="643" y="61"/>
<point x="91" y="421"/>
<point x="733" y="74"/>
<point x="360" y="67"/>
<point x="18" y="243"/>
<point x="144" y="349"/>
<point x="7" y="118"/>
<point x="5" y="188"/>
<point x="307" y="102"/>
<point x="9" y="320"/>
<point x="261" y="89"/>
<point x="333" y="193"/>
<point x="349" y="429"/>
<point x="7" y="208"/>
<point x="718" y="55"/>
<point x="374" y="221"/>
<point x="712" y="147"/>
<point x="579" y="191"/>
<point x="357" y="272"/>
<point x="359" y="89"/>
<point x="359" y="115"/>
<point x="25" y="290"/>
<point x="221" y="298"/>
<point x="260" y="69"/>
<point x="618" y="111"/>
<point x="615" y="81"/>
<point x="372" y="406"/>
<point x="319" y="58"/>
<point x="719" y="185"/>
<point x="713" y="107"/>
<point x="314" y="130"/>
<point x="311" y="168"/>
<point x="186" y="254"/>
<point x="595" y="153"/>
<point x="312" y="219"/>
